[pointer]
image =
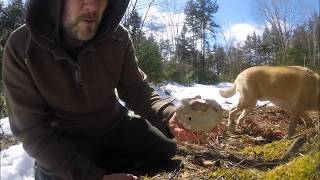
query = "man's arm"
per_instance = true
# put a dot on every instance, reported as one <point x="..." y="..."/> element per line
<point x="143" y="100"/>
<point x="134" y="89"/>
<point x="30" y="121"/>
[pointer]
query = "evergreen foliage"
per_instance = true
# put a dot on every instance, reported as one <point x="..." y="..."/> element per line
<point x="11" y="17"/>
<point x="149" y="59"/>
<point x="201" y="23"/>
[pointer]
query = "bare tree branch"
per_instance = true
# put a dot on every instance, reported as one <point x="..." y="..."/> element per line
<point x="146" y="14"/>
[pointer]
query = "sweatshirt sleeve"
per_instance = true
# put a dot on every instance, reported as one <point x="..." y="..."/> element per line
<point x="31" y="122"/>
<point x="135" y="91"/>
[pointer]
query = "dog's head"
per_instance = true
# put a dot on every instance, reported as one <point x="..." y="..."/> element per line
<point x="199" y="115"/>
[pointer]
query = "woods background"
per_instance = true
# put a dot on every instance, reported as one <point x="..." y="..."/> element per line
<point x="189" y="52"/>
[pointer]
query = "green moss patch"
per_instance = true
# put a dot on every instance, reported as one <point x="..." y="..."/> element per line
<point x="302" y="167"/>
<point x="269" y="151"/>
<point x="305" y="167"/>
<point x="235" y="173"/>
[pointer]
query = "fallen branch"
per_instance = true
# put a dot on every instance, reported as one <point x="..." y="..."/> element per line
<point x="259" y="107"/>
<point x="294" y="147"/>
<point x="268" y="164"/>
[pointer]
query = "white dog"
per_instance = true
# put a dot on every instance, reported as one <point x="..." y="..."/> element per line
<point x="293" y="88"/>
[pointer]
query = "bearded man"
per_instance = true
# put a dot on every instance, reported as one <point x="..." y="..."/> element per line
<point x="60" y="73"/>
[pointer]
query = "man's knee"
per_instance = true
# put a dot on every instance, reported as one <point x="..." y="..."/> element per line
<point x="167" y="152"/>
<point x="172" y="150"/>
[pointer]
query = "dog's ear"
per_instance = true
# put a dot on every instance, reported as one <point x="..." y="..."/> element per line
<point x="199" y="105"/>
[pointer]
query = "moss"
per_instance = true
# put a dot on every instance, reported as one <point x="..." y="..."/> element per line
<point x="303" y="167"/>
<point x="235" y="173"/>
<point x="313" y="144"/>
<point x="269" y="151"/>
<point x="306" y="167"/>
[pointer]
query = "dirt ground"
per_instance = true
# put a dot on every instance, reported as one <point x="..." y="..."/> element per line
<point x="258" y="146"/>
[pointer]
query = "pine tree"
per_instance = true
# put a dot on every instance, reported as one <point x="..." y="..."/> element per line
<point x="183" y="52"/>
<point x="269" y="47"/>
<point x="147" y="49"/>
<point x="133" y="24"/>
<point x="200" y="22"/>
<point x="298" y="51"/>
<point x="11" y="17"/>
<point x="219" y="56"/>
<point x="149" y="59"/>
<point x="252" y="50"/>
<point x="314" y="45"/>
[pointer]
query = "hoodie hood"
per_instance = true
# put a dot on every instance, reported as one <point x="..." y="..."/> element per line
<point x="43" y="20"/>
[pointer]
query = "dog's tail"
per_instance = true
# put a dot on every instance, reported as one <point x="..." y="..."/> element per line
<point x="228" y="92"/>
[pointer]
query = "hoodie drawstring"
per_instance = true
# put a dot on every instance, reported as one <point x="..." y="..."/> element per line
<point x="27" y="56"/>
<point x="76" y="70"/>
<point x="75" y="67"/>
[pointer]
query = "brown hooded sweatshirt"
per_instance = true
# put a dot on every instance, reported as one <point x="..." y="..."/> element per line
<point x="57" y="104"/>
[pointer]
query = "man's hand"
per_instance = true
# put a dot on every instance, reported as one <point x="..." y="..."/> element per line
<point x="120" y="176"/>
<point x="183" y="134"/>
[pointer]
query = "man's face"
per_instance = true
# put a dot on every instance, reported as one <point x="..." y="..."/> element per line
<point x="81" y="18"/>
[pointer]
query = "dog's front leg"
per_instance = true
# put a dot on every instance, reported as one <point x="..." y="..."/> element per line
<point x="244" y="113"/>
<point x="295" y="117"/>
<point x="231" y="123"/>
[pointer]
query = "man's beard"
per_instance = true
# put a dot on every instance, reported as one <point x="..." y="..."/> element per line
<point x="74" y="30"/>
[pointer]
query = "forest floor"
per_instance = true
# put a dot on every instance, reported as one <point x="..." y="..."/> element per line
<point x="257" y="150"/>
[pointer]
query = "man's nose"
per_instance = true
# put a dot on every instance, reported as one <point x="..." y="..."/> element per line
<point x="91" y="5"/>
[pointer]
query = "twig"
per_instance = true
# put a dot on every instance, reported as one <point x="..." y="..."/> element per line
<point x="146" y="14"/>
<point x="177" y="171"/>
<point x="294" y="147"/>
<point x="233" y="166"/>
<point x="259" y="107"/>
<point x="267" y="163"/>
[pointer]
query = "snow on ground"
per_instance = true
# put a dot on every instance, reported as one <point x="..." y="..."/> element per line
<point x="5" y="126"/>
<point x="205" y="91"/>
<point x="16" y="164"/>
